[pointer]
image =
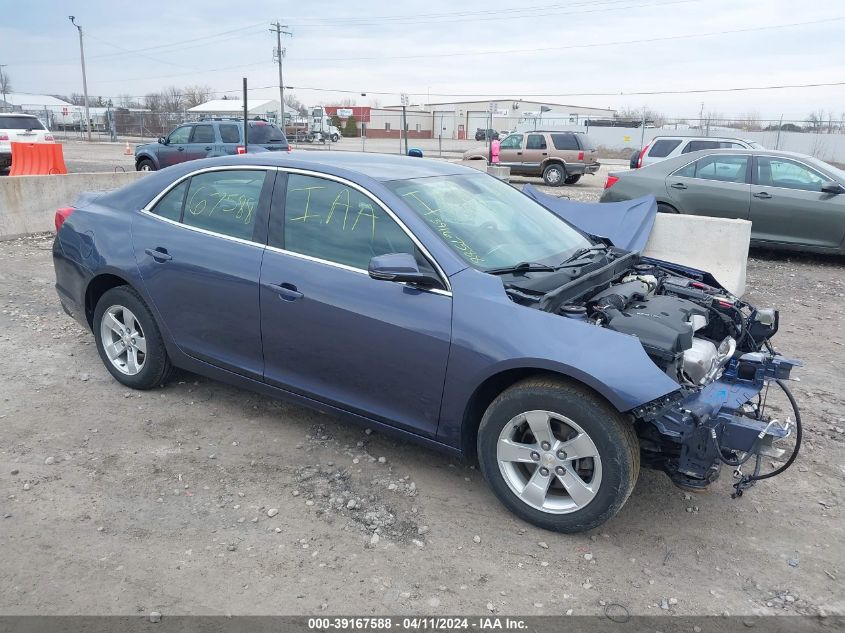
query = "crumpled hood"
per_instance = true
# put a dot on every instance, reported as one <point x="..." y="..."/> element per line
<point x="626" y="224"/>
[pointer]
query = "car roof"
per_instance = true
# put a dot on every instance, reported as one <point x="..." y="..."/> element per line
<point x="19" y="114"/>
<point x="380" y="167"/>
<point x="744" y="151"/>
<point x="700" y="138"/>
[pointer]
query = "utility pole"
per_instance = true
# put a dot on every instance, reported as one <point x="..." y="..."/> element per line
<point x="278" y="29"/>
<point x="404" y="133"/>
<point x="780" y="125"/>
<point x="84" y="79"/>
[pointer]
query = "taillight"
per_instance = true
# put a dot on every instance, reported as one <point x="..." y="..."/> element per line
<point x="4" y="137"/>
<point x="290" y="149"/>
<point x="640" y="159"/>
<point x="611" y="180"/>
<point x="240" y="149"/>
<point x="49" y="137"/>
<point x="62" y="215"/>
<point x="580" y="155"/>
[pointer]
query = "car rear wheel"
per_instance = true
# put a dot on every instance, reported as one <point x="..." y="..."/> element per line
<point x="571" y="180"/>
<point x="128" y="340"/>
<point x="557" y="455"/>
<point x="662" y="207"/>
<point x="145" y="164"/>
<point x="554" y="175"/>
<point x="335" y="138"/>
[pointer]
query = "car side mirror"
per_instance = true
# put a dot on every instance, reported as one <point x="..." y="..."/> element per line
<point x="162" y="140"/>
<point x="400" y="267"/>
<point x="833" y="188"/>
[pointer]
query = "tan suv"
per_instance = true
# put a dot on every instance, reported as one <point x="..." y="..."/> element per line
<point x="559" y="157"/>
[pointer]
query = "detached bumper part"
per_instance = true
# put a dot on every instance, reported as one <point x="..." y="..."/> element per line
<point x="715" y="423"/>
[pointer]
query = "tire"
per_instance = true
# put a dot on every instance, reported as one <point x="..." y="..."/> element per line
<point x="602" y="483"/>
<point x="335" y="138"/>
<point x="662" y="207"/>
<point x="554" y="175"/>
<point x="571" y="180"/>
<point x="123" y="306"/>
<point x="145" y="164"/>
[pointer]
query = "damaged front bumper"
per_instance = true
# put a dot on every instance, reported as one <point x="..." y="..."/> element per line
<point x="691" y="434"/>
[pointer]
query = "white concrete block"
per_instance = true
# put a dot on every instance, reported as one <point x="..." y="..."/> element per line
<point x="716" y="245"/>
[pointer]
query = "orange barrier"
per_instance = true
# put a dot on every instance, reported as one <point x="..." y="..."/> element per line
<point x="32" y="159"/>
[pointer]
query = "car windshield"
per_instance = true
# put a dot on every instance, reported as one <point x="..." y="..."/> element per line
<point x="20" y="123"/>
<point x="490" y="224"/>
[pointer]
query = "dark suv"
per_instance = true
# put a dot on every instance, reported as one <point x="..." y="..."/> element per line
<point x="207" y="138"/>
<point x="486" y="135"/>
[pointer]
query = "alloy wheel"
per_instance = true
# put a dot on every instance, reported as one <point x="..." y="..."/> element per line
<point x="123" y="340"/>
<point x="549" y="462"/>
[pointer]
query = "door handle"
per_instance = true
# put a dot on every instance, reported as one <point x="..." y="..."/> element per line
<point x="287" y="292"/>
<point x="180" y="149"/>
<point x="762" y="195"/>
<point x="159" y="254"/>
<point x="678" y="185"/>
<point x="519" y="153"/>
<point x="545" y="153"/>
<point x="208" y="148"/>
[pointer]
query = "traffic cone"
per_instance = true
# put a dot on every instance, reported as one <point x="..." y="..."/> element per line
<point x="128" y="150"/>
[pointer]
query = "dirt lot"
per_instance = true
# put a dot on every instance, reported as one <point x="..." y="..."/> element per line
<point x="123" y="502"/>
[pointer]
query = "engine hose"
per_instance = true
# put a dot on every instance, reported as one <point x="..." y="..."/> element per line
<point x="731" y="462"/>
<point x="798" y="431"/>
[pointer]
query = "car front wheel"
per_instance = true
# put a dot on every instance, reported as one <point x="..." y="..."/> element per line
<point x="553" y="175"/>
<point x="557" y="455"/>
<point x="128" y="340"/>
<point x="145" y="164"/>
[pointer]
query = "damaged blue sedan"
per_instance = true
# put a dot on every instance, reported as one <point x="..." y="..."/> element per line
<point x="436" y="302"/>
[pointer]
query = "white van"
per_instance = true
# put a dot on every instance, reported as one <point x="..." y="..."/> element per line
<point x="19" y="128"/>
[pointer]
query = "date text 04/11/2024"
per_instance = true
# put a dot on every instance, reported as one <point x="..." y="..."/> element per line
<point x="421" y="623"/>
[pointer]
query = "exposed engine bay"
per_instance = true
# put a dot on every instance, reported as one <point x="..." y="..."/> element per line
<point x="714" y="345"/>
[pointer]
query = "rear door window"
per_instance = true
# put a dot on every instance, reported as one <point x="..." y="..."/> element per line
<point x="663" y="147"/>
<point x="230" y="133"/>
<point x="718" y="167"/>
<point x="565" y="141"/>
<point x="781" y="172"/>
<point x="203" y="134"/>
<point x="224" y="202"/>
<point x="535" y="141"/>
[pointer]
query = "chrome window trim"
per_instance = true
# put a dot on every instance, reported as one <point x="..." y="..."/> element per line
<point x="149" y="211"/>
<point x="318" y="174"/>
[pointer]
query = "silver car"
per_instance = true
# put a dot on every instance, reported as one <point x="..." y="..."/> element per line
<point x="663" y="147"/>
<point x="794" y="201"/>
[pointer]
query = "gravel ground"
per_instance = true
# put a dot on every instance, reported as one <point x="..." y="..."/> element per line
<point x="198" y="498"/>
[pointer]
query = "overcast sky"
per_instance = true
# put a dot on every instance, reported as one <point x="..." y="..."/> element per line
<point x="441" y="48"/>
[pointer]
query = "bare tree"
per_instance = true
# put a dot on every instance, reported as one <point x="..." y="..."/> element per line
<point x="127" y="101"/>
<point x="375" y="103"/>
<point x="196" y="95"/>
<point x="153" y="101"/>
<point x="77" y="99"/>
<point x="347" y="102"/>
<point x="5" y="83"/>
<point x="629" y="113"/>
<point x="816" y="119"/>
<point x="293" y="102"/>
<point x="172" y="99"/>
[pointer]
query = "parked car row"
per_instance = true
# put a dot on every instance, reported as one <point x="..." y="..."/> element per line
<point x="663" y="147"/>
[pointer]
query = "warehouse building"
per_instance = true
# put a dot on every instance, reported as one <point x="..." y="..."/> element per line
<point x="264" y="108"/>
<point x="460" y="120"/>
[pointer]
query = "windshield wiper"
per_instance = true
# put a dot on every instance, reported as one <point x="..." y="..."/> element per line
<point x="522" y="267"/>
<point x="581" y="252"/>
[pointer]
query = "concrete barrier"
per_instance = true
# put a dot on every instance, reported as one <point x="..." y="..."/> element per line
<point x="28" y="203"/>
<point x="717" y="245"/>
<point x="502" y="173"/>
<point x="480" y="165"/>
